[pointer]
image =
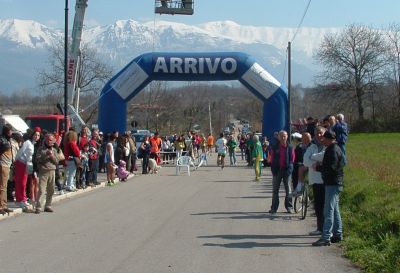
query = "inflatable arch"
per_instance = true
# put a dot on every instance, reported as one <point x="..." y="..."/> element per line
<point x="220" y="66"/>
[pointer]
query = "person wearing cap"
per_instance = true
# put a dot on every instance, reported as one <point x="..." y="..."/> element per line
<point x="298" y="174"/>
<point x="331" y="170"/>
<point x="47" y="160"/>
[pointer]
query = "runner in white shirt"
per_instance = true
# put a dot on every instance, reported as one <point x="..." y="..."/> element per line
<point x="221" y="150"/>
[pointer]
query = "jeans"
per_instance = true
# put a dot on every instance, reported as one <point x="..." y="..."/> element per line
<point x="332" y="221"/>
<point x="232" y="157"/>
<point x="94" y="169"/>
<point x="343" y="148"/>
<point x="133" y="162"/>
<point x="83" y="176"/>
<point x="70" y="174"/>
<point x="242" y="152"/>
<point x="276" y="183"/>
<point x="57" y="178"/>
<point x="145" y="163"/>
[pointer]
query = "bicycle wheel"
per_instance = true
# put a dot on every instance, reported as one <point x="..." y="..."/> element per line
<point x="304" y="203"/>
<point x="298" y="203"/>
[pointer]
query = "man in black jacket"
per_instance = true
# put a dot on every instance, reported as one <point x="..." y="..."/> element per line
<point x="332" y="174"/>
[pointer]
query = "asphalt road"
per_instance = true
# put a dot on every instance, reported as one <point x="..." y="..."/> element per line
<point x="214" y="221"/>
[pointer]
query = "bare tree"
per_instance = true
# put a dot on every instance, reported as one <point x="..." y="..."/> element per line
<point x="393" y="37"/>
<point x="350" y="58"/>
<point x="93" y="73"/>
<point x="149" y="108"/>
<point x="180" y="108"/>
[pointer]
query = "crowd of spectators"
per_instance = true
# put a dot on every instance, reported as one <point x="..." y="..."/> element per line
<point x="30" y="164"/>
<point x="320" y="152"/>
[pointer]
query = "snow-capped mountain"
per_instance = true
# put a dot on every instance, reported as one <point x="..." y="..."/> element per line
<point x="27" y="33"/>
<point x="24" y="45"/>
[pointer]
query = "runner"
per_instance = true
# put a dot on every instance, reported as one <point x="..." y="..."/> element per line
<point x="221" y="149"/>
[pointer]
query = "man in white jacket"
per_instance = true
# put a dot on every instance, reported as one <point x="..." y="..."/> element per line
<point x="314" y="154"/>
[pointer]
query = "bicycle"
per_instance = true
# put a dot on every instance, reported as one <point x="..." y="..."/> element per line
<point x="302" y="202"/>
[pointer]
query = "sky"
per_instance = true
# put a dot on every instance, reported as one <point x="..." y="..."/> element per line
<point x="275" y="13"/>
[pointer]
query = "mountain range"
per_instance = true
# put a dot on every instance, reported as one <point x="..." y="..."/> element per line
<point x="24" y="46"/>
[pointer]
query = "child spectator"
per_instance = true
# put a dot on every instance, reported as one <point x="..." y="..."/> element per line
<point x="84" y="172"/>
<point x="122" y="172"/>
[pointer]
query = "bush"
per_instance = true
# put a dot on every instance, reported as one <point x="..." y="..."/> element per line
<point x="377" y="126"/>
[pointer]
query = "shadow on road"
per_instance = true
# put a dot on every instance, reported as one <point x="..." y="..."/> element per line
<point x="250" y="197"/>
<point x="250" y="215"/>
<point x="249" y="244"/>
<point x="255" y="244"/>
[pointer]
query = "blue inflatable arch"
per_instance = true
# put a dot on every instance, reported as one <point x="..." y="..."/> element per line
<point x="221" y="66"/>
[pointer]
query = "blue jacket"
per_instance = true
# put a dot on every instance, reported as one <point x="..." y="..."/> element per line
<point x="341" y="131"/>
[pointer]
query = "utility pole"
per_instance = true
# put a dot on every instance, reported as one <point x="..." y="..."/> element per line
<point x="209" y="116"/>
<point x="157" y="122"/>
<point x="66" y="68"/>
<point x="289" y="92"/>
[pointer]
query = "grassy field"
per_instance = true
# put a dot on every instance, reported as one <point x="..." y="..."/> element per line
<point x="370" y="203"/>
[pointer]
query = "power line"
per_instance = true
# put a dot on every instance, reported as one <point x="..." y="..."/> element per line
<point x="294" y="36"/>
<point x="301" y="21"/>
